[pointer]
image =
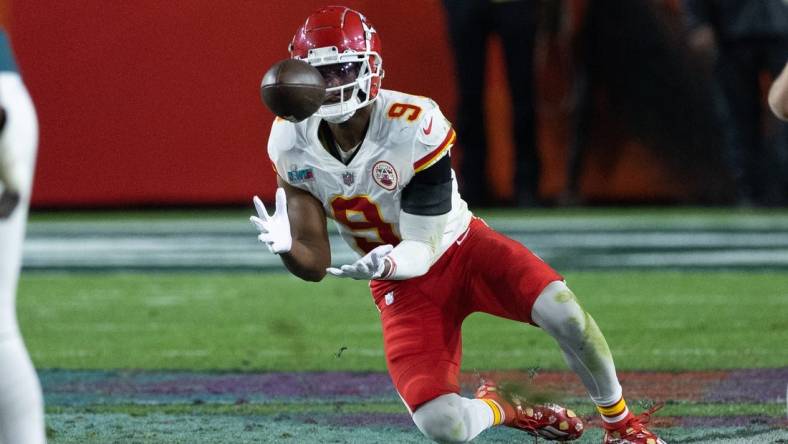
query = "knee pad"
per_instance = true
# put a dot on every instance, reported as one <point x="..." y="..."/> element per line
<point x="557" y="311"/>
<point x="442" y="419"/>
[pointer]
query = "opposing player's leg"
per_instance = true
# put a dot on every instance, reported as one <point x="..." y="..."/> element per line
<point x="21" y="404"/>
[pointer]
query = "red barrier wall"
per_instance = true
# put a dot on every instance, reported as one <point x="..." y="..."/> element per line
<point x="153" y="102"/>
<point x="156" y="102"/>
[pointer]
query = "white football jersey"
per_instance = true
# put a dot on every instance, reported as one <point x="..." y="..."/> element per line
<point x="406" y="134"/>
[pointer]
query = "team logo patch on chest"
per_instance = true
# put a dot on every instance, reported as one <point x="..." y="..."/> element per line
<point x="384" y="174"/>
<point x="299" y="176"/>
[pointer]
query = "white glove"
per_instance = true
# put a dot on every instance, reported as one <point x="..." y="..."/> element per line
<point x="368" y="267"/>
<point x="275" y="229"/>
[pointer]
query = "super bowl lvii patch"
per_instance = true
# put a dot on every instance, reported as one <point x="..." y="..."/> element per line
<point x="299" y="176"/>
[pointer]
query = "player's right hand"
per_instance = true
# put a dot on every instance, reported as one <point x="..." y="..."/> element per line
<point x="370" y="266"/>
<point x="274" y="229"/>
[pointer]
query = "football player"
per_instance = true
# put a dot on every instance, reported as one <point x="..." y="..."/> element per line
<point x="377" y="162"/>
<point x="21" y="404"/>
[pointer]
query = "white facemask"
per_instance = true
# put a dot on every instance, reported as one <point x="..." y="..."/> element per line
<point x="341" y="118"/>
<point x="334" y="111"/>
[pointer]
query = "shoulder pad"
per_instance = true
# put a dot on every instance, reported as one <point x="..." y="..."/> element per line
<point x="434" y="139"/>
<point x="282" y="138"/>
<point x="433" y="127"/>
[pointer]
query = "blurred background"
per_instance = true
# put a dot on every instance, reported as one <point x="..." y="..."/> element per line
<point x="640" y="125"/>
<point x="584" y="102"/>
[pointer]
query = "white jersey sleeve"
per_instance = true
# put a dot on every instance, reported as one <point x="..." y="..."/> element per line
<point x="431" y="137"/>
<point x="434" y="138"/>
<point x="282" y="139"/>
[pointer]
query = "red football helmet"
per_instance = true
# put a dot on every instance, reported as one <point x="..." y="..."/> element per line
<point x="345" y="48"/>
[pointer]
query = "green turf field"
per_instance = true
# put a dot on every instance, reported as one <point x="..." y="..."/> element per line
<point x="652" y="320"/>
<point x="211" y="354"/>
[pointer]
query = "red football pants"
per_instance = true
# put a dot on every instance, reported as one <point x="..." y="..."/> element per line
<point x="422" y="317"/>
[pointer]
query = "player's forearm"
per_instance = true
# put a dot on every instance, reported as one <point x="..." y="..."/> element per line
<point x="408" y="260"/>
<point x="778" y="95"/>
<point x="421" y="237"/>
<point x="306" y="261"/>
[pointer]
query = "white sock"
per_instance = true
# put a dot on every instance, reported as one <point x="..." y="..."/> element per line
<point x="584" y="347"/>
<point x="453" y="419"/>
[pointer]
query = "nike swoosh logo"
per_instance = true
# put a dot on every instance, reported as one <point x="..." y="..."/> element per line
<point x="464" y="235"/>
<point x="428" y="129"/>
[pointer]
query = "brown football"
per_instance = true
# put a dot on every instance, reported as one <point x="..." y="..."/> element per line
<point x="293" y="89"/>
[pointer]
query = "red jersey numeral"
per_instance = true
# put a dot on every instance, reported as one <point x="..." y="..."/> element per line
<point x="359" y="213"/>
<point x="411" y="112"/>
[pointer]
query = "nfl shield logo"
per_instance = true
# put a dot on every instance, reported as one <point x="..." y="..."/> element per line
<point x="348" y="178"/>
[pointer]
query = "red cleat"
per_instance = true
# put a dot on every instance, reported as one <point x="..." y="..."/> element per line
<point x="633" y="430"/>
<point x="548" y="421"/>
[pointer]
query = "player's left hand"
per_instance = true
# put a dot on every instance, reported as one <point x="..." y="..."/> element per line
<point x="274" y="229"/>
<point x="368" y="267"/>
